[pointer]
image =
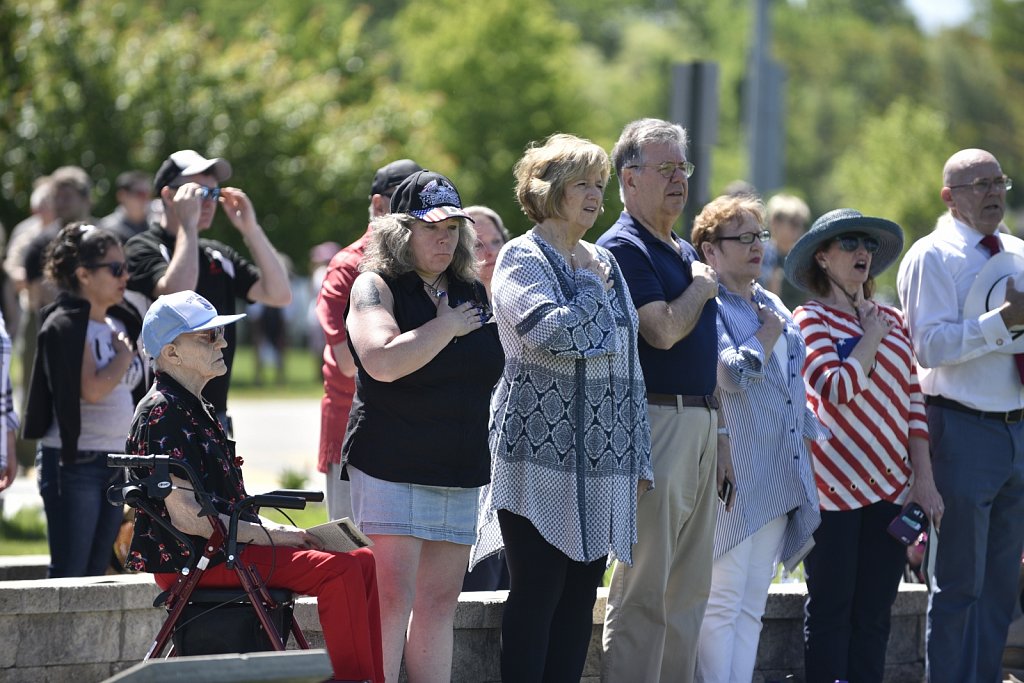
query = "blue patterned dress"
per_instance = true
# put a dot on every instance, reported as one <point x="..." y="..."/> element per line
<point x="569" y="435"/>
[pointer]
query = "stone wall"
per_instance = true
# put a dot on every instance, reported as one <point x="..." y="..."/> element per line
<point x="83" y="630"/>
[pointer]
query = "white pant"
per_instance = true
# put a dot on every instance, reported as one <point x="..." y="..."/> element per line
<point x="338" y="493"/>
<point x="731" y="628"/>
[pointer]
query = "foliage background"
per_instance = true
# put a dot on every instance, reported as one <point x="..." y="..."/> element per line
<point x="307" y="98"/>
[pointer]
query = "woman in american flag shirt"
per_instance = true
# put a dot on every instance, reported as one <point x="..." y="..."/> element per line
<point x="862" y="384"/>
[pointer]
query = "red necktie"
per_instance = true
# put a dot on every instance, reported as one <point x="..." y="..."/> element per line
<point x="991" y="242"/>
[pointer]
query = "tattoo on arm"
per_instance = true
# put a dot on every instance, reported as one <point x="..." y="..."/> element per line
<point x="365" y="296"/>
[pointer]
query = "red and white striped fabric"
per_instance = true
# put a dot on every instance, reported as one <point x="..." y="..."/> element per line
<point x="872" y="415"/>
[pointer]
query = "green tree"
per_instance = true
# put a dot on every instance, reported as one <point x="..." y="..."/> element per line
<point x="894" y="170"/>
<point x="504" y="74"/>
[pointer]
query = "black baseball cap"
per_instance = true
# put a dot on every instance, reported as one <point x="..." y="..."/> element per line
<point x="428" y="196"/>
<point x="189" y="162"/>
<point x="392" y="174"/>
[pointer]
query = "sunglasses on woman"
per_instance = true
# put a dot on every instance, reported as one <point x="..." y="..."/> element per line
<point x="853" y="242"/>
<point x="116" y="268"/>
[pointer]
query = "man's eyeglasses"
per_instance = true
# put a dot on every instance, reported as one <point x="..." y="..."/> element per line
<point x="669" y="168"/>
<point x="748" y="237"/>
<point x="853" y="242"/>
<point x="986" y="185"/>
<point x="210" y="194"/>
<point x="116" y="268"/>
<point x="210" y="336"/>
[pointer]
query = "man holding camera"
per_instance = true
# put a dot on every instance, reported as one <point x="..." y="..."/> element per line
<point x="171" y="257"/>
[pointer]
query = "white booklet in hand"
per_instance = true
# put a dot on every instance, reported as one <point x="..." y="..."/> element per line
<point x="340" y="535"/>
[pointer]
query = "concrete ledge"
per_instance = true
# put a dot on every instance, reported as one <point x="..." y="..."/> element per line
<point x="23" y="567"/>
<point x="83" y="630"/>
<point x="311" y="666"/>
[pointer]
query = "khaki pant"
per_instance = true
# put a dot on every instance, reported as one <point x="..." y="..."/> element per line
<point x="655" y="607"/>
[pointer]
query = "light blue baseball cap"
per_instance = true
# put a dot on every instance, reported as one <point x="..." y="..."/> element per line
<point x="178" y="313"/>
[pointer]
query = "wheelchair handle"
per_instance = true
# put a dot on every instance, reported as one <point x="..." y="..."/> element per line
<point x="308" y="496"/>
<point x="273" y="500"/>
<point x="123" y="460"/>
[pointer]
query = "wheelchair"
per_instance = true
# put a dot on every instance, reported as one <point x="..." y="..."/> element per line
<point x="215" y="620"/>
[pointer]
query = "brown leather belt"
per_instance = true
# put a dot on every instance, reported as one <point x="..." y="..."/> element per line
<point x="677" y="400"/>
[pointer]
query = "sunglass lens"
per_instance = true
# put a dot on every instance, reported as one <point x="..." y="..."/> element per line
<point x="871" y="244"/>
<point x="848" y="243"/>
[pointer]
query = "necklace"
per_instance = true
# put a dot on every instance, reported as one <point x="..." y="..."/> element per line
<point x="432" y="286"/>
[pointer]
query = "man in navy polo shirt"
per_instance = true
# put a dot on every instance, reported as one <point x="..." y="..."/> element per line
<point x="655" y="607"/>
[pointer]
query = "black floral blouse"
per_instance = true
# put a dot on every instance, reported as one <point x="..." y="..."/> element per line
<point x="171" y="420"/>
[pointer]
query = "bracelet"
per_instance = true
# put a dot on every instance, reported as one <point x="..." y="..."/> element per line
<point x="723" y="431"/>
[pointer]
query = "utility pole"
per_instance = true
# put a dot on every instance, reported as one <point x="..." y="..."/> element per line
<point x="764" y="91"/>
<point x="694" y="106"/>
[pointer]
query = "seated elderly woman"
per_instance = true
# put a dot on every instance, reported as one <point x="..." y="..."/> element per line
<point x="760" y="357"/>
<point x="185" y="337"/>
<point x="570" y="440"/>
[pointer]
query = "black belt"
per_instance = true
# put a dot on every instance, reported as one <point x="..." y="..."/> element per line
<point x="682" y="401"/>
<point x="1009" y="417"/>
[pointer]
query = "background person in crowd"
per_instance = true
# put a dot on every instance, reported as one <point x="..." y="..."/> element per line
<point x="86" y="380"/>
<point x="491" y="236"/>
<point x="788" y="216"/>
<point x="416" y="444"/>
<point x="15" y="297"/>
<point x="8" y="418"/>
<point x="72" y="201"/>
<point x="132" y="189"/>
<point x="570" y="440"/>
<point x="184" y="336"/>
<point x="171" y="257"/>
<point x="862" y="383"/>
<point x="339" y="369"/>
<point x="760" y="359"/>
<point x="972" y="386"/>
<point x="655" y="607"/>
<point x="490" y="574"/>
<point x="319" y="256"/>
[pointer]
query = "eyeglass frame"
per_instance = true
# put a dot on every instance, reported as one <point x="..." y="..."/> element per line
<point x="984" y="185"/>
<point x="748" y="238"/>
<point x="116" y="268"/>
<point x="871" y="244"/>
<point x="686" y="167"/>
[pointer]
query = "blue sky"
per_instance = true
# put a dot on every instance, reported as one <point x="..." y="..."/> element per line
<point x="934" y="14"/>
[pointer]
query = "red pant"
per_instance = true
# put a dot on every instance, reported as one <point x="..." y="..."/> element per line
<point x="345" y="585"/>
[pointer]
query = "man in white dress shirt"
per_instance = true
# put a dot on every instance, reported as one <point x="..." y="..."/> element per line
<point x="975" y="399"/>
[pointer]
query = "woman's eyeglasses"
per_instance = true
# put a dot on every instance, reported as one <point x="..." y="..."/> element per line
<point x="748" y="237"/>
<point x="116" y="268"/>
<point x="853" y="242"/>
<point x="212" y="335"/>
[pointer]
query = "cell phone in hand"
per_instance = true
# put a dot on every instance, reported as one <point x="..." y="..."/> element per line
<point x="909" y="524"/>
<point x="725" y="491"/>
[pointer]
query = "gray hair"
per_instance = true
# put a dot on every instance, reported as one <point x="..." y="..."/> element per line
<point x="629" y="148"/>
<point x="388" y="253"/>
<point x="488" y="212"/>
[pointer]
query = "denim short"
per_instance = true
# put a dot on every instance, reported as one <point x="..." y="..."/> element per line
<point x="432" y="513"/>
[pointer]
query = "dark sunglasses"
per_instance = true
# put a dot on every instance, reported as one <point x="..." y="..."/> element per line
<point x="116" y="268"/>
<point x="210" y="194"/>
<point x="210" y="336"/>
<point x="853" y="242"/>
